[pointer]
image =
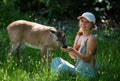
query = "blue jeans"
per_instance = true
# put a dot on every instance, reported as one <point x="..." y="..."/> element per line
<point x="60" y="66"/>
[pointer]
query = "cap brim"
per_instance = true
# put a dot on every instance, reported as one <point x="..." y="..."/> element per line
<point x="80" y="17"/>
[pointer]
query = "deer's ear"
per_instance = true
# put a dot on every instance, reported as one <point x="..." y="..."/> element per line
<point x="63" y="29"/>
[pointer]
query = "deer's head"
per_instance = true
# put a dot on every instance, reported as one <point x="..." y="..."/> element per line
<point x="60" y="34"/>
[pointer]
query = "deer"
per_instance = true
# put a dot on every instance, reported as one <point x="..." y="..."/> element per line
<point x="37" y="36"/>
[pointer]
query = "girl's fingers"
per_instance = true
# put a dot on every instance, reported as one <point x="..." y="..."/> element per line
<point x="69" y="49"/>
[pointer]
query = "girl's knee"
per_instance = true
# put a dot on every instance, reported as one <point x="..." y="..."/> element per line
<point x="55" y="63"/>
<point x="56" y="58"/>
<point x="62" y="67"/>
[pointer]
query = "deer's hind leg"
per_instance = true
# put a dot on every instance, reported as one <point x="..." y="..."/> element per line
<point x="43" y="58"/>
<point x="15" y="47"/>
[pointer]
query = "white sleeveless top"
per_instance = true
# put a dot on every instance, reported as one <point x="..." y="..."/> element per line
<point x="83" y="67"/>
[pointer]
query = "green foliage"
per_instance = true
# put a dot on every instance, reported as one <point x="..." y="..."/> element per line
<point x="68" y="8"/>
<point x="108" y="43"/>
<point x="9" y="13"/>
<point x="10" y="10"/>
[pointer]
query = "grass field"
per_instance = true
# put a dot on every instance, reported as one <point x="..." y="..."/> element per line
<point x="29" y="70"/>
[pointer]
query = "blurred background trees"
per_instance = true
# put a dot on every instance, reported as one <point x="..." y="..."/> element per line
<point x="11" y="10"/>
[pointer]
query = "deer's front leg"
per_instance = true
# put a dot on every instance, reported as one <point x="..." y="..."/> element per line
<point x="43" y="58"/>
<point x="49" y="58"/>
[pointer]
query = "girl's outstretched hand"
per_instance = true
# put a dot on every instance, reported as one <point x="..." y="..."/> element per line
<point x="68" y="49"/>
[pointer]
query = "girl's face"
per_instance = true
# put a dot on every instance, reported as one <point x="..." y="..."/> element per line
<point x="85" y="24"/>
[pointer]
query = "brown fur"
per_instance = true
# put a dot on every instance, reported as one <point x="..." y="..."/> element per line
<point x="34" y="34"/>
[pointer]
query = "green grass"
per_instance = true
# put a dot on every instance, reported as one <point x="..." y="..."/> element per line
<point x="29" y="70"/>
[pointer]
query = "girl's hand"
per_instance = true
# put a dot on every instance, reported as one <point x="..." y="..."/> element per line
<point x="69" y="49"/>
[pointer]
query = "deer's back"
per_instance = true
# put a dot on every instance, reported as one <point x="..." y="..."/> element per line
<point x="32" y="33"/>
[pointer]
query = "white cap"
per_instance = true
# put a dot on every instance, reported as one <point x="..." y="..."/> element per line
<point x="89" y="16"/>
